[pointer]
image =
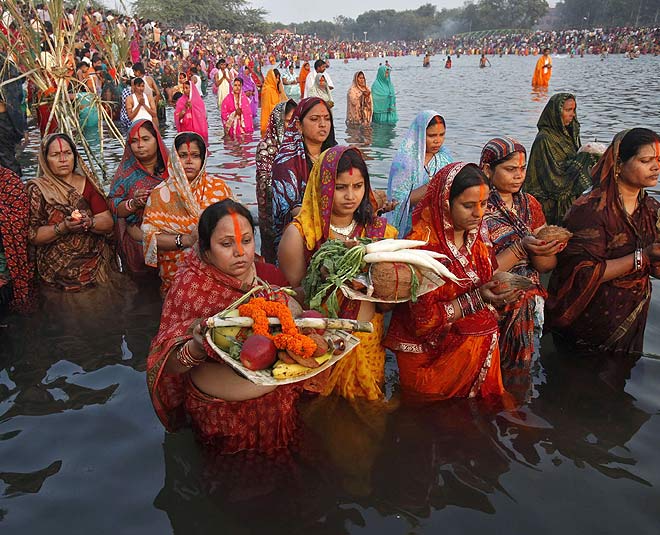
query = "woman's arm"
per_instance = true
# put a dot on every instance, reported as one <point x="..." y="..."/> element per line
<point x="291" y="256"/>
<point x="167" y="242"/>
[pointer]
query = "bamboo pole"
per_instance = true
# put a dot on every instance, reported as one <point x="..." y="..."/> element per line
<point x="312" y="323"/>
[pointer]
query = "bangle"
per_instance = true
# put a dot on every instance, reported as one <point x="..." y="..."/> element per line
<point x="518" y="249"/>
<point x="130" y="206"/>
<point x="56" y="229"/>
<point x="185" y="357"/>
<point x="471" y="302"/>
<point x="91" y="225"/>
<point x="638" y="259"/>
<point x="178" y="241"/>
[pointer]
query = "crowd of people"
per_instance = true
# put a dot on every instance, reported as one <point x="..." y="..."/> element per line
<point x="62" y="234"/>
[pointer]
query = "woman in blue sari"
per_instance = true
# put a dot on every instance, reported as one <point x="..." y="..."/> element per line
<point x="384" y="97"/>
<point x="420" y="156"/>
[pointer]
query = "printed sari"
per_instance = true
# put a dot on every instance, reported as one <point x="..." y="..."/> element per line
<point x="361" y="373"/>
<point x="384" y="98"/>
<point x="194" y="119"/>
<point x="129" y="177"/>
<point x="439" y="359"/>
<point x="408" y="171"/>
<point x="236" y="125"/>
<point x="291" y="168"/>
<point x="548" y="178"/>
<point x="592" y="315"/>
<point x="359" y="106"/>
<point x="264" y="424"/>
<point x="174" y="207"/>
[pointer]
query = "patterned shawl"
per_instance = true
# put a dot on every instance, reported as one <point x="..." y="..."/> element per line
<point x="291" y="168"/>
<point x="408" y="171"/>
<point x="359" y="107"/>
<point x="131" y="175"/>
<point x="554" y="147"/>
<point x="195" y="119"/>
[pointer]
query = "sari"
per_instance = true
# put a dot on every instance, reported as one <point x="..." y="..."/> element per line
<point x="263" y="424"/>
<point x="302" y="77"/>
<point x="506" y="226"/>
<point x="384" y="98"/>
<point x="359" y="106"/>
<point x="75" y="260"/>
<point x="129" y="177"/>
<point x="321" y="92"/>
<point x="236" y="125"/>
<point x="174" y="207"/>
<point x="408" y="171"/>
<point x="542" y="72"/>
<point x="250" y="90"/>
<point x="598" y="316"/>
<point x="270" y="97"/>
<point x="195" y="118"/>
<point x="16" y="266"/>
<point x="554" y="147"/>
<point x="291" y="168"/>
<point x="266" y="152"/>
<point x="439" y="359"/>
<point x="361" y="373"/>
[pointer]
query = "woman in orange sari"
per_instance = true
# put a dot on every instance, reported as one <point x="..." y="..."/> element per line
<point x="271" y="95"/>
<point x="169" y="223"/>
<point x="339" y="204"/>
<point x="543" y="70"/>
<point x="446" y="343"/>
<point x="302" y="77"/>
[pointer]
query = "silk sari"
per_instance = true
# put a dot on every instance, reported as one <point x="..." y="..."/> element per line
<point x="194" y="119"/>
<point x="236" y="125"/>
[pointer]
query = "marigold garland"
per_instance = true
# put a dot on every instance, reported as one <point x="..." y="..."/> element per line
<point x="259" y="309"/>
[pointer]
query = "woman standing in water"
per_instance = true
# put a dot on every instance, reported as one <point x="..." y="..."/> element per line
<point x="236" y="112"/>
<point x="600" y="290"/>
<point x="549" y="177"/>
<point x="384" y="97"/>
<point x="420" y="156"/>
<point x="359" y="103"/>
<point x="190" y="112"/>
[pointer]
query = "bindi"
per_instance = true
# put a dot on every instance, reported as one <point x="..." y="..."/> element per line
<point x="237" y="234"/>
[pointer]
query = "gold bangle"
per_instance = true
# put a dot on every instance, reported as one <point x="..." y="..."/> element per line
<point x="56" y="229"/>
<point x="185" y="357"/>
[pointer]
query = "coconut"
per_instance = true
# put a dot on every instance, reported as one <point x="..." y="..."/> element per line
<point x="553" y="232"/>
<point x="392" y="281"/>
<point x="513" y="281"/>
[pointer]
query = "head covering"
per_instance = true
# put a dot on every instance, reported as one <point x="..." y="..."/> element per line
<point x="131" y="174"/>
<point x="195" y="118"/>
<point x="321" y="92"/>
<point x="302" y="77"/>
<point x="432" y="221"/>
<point x="408" y="171"/>
<point x="383" y="95"/>
<point x="359" y="108"/>
<point x="234" y="125"/>
<point x="499" y="148"/>
<point x="249" y="86"/>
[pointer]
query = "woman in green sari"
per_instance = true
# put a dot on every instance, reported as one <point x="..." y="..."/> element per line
<point x="553" y="173"/>
<point x="384" y="97"/>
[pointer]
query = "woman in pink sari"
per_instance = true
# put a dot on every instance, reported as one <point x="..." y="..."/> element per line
<point x="236" y="112"/>
<point x="190" y="112"/>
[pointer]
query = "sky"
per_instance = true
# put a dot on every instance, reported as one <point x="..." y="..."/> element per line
<point x="301" y="10"/>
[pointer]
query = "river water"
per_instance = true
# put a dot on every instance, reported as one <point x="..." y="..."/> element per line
<point x="81" y="450"/>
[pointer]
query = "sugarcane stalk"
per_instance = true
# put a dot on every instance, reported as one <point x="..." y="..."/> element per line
<point x="312" y="323"/>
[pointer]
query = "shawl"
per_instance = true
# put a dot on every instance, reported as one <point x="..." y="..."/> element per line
<point x="384" y="97"/>
<point x="131" y="175"/>
<point x="14" y="211"/>
<point x="359" y="106"/>
<point x="553" y="148"/>
<point x="408" y="171"/>
<point x="291" y="168"/>
<point x="234" y="126"/>
<point x="266" y="152"/>
<point x="579" y="302"/>
<point x="302" y="77"/>
<point x="317" y="91"/>
<point x="195" y="119"/>
<point x="250" y="87"/>
<point x="174" y="207"/>
<point x="270" y="97"/>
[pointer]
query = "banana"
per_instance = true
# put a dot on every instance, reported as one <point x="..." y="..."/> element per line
<point x="281" y="370"/>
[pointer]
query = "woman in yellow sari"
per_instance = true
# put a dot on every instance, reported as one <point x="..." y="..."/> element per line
<point x="338" y="204"/>
<point x="171" y="214"/>
<point x="272" y="93"/>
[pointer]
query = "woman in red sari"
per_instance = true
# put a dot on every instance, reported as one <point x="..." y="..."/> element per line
<point x="446" y="343"/>
<point x="186" y="383"/>
<point x="601" y="289"/>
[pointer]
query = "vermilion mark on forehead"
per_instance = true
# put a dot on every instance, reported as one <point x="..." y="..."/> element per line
<point x="657" y="150"/>
<point x="350" y="171"/>
<point x="521" y="159"/>
<point x="59" y="143"/>
<point x="483" y="195"/>
<point x="237" y="233"/>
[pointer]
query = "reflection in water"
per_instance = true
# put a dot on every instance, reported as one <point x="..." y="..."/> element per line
<point x="360" y="136"/>
<point x="383" y="136"/>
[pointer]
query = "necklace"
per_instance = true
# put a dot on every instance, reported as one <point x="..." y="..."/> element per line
<point x="344" y="231"/>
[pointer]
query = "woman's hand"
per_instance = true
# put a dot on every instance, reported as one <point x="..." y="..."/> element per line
<point x="387" y="207"/>
<point x="499" y="294"/>
<point x="189" y="240"/>
<point x="75" y="225"/>
<point x="652" y="252"/>
<point x="537" y="247"/>
<point x="197" y="342"/>
<point x="140" y="198"/>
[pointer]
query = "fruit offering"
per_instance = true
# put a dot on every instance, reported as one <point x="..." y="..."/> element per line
<point x="76" y="215"/>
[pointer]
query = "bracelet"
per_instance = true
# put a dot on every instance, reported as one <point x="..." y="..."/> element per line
<point x="178" y="241"/>
<point x="518" y="249"/>
<point x="185" y="357"/>
<point x="450" y="310"/>
<point x="91" y="225"/>
<point x="130" y="205"/>
<point x="471" y="302"/>
<point x="56" y="229"/>
<point x="638" y="259"/>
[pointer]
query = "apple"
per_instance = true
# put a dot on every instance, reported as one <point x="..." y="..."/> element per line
<point x="258" y="352"/>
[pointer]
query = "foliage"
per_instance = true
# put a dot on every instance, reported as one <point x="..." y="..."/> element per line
<point x="608" y="13"/>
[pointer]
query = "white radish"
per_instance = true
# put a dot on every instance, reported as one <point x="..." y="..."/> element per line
<point x="390" y="245"/>
<point x="406" y="258"/>
<point x="438" y="267"/>
<point x="432" y="254"/>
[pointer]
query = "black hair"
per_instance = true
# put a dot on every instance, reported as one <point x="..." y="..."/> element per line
<point x="139" y="66"/>
<point x="176" y="96"/>
<point x="189" y="137"/>
<point x="66" y="138"/>
<point x="277" y="74"/>
<point x="138" y="81"/>
<point x="96" y="58"/>
<point x="435" y="120"/>
<point x="318" y="63"/>
<point x="214" y="213"/>
<point x="238" y="79"/>
<point x="352" y="159"/>
<point x="466" y="178"/>
<point x="290" y="105"/>
<point x="635" y="139"/>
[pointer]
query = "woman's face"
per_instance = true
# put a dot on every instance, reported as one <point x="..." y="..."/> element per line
<point x="509" y="176"/>
<point x="387" y="73"/>
<point x="568" y="111"/>
<point x="361" y="79"/>
<point x="232" y="246"/>
<point x="288" y="115"/>
<point x="349" y="192"/>
<point x="467" y="210"/>
<point x="640" y="171"/>
<point x="435" y="137"/>
<point x="322" y="82"/>
<point x="186" y="89"/>
<point x="60" y="158"/>
<point x="315" y="126"/>
<point x="191" y="158"/>
<point x="237" y="87"/>
<point x="144" y="145"/>
<point x="182" y="78"/>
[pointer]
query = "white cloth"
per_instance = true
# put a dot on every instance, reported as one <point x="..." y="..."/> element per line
<point x="142" y="114"/>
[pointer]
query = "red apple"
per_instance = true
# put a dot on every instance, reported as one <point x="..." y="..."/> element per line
<point x="312" y="314"/>
<point x="258" y="352"/>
